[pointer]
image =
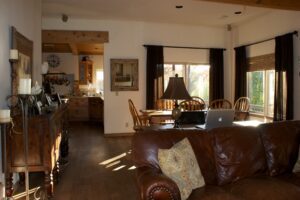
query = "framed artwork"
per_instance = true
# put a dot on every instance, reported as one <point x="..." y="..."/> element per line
<point x="23" y="67"/>
<point x="124" y="74"/>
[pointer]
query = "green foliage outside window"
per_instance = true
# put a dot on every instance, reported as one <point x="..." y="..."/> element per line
<point x="257" y="88"/>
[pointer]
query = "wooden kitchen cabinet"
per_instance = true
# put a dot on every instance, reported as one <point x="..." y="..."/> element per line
<point x="85" y="72"/>
<point x="78" y="109"/>
<point x="96" y="109"/>
<point x="86" y="109"/>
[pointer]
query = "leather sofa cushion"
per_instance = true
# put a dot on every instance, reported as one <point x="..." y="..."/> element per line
<point x="212" y="192"/>
<point x="281" y="142"/>
<point x="263" y="187"/>
<point x="238" y="152"/>
<point x="293" y="178"/>
<point x="145" y="145"/>
<point x="252" y="188"/>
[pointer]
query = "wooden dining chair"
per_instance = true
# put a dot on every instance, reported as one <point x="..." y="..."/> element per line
<point x="164" y="104"/>
<point x="190" y="105"/>
<point x="241" y="108"/>
<point x="139" y="121"/>
<point x="220" y="104"/>
<point x="200" y="100"/>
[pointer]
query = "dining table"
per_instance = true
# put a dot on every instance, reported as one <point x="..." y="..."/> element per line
<point x="162" y="119"/>
<point x="157" y="116"/>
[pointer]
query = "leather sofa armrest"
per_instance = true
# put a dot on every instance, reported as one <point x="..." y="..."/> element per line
<point x="153" y="185"/>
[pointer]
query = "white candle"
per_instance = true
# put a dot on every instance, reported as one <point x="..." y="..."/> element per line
<point x="28" y="85"/>
<point x="4" y="115"/>
<point x="25" y="86"/>
<point x="13" y="54"/>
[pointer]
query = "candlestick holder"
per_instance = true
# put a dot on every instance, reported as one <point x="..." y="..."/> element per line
<point x="23" y="102"/>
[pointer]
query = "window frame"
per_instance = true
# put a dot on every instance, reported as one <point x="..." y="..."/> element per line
<point x="263" y="63"/>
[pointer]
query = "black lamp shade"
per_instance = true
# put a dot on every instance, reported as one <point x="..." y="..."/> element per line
<point x="176" y="89"/>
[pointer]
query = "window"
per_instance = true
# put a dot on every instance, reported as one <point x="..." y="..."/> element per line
<point x="260" y="89"/>
<point x="196" y="78"/>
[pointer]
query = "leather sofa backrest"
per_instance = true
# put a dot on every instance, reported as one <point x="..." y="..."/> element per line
<point x="281" y="143"/>
<point x="145" y="145"/>
<point x="227" y="154"/>
<point x="238" y="152"/>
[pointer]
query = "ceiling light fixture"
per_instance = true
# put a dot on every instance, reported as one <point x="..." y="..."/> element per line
<point x="179" y="6"/>
<point x="64" y="17"/>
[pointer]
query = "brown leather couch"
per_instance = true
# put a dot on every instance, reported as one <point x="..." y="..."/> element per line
<point x="236" y="162"/>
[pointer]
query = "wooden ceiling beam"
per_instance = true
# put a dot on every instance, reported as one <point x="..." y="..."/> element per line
<point x="277" y="4"/>
<point x="63" y="37"/>
<point x="73" y="48"/>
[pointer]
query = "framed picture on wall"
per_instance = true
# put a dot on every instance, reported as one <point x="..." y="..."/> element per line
<point x="23" y="67"/>
<point x="124" y="75"/>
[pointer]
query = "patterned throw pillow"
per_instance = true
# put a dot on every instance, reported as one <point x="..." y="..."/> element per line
<point x="296" y="168"/>
<point x="180" y="164"/>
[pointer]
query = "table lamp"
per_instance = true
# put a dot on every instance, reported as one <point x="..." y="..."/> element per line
<point x="176" y="91"/>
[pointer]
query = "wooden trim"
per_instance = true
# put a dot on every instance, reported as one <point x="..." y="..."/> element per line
<point x="277" y="4"/>
<point x="260" y="116"/>
<point x="63" y="37"/>
<point x="263" y="62"/>
<point x="118" y="134"/>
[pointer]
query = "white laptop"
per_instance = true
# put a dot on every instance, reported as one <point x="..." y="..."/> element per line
<point x="218" y="118"/>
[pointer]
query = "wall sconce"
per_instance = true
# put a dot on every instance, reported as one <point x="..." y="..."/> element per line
<point x="13" y="55"/>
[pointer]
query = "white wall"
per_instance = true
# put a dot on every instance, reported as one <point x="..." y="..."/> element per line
<point x="268" y="26"/>
<point x="179" y="55"/>
<point x="25" y="15"/>
<point x="68" y="63"/>
<point x="126" y="39"/>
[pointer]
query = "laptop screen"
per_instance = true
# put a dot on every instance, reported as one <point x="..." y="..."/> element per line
<point x="192" y="117"/>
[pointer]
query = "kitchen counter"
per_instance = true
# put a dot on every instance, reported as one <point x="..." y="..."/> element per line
<point x="85" y="108"/>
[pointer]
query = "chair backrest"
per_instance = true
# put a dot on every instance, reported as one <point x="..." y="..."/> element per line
<point x="199" y="99"/>
<point x="137" y="123"/>
<point x="164" y="104"/>
<point x="220" y="104"/>
<point x="242" y="104"/>
<point x="189" y="105"/>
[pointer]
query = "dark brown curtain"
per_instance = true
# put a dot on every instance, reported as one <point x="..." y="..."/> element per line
<point x="284" y="64"/>
<point x="216" y="74"/>
<point x="240" y="72"/>
<point x="155" y="75"/>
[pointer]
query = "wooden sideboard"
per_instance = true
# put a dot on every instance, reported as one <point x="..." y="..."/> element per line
<point x="44" y="138"/>
<point x="86" y="109"/>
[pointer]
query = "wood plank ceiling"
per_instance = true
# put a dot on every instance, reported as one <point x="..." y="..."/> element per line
<point x="75" y="42"/>
<point x="277" y="4"/>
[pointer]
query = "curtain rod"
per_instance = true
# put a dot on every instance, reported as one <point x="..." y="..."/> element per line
<point x="146" y="45"/>
<point x="266" y="40"/>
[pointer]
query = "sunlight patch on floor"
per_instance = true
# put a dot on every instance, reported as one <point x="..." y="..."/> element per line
<point x="132" y="168"/>
<point x="118" y="168"/>
<point x="113" y="164"/>
<point x="116" y="162"/>
<point x="113" y="159"/>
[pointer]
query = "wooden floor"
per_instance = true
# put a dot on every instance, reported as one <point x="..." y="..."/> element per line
<point x="99" y="168"/>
